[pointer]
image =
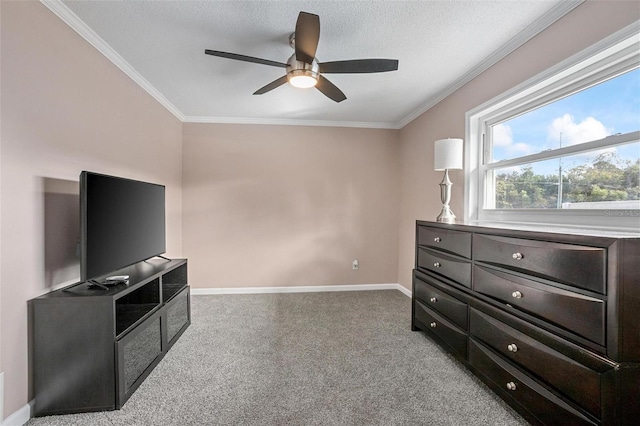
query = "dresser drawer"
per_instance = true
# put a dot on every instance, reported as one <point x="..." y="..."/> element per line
<point x="582" y="315"/>
<point x="525" y="391"/>
<point x="577" y="381"/>
<point x="455" y="242"/>
<point x="579" y="266"/>
<point x="451" y="335"/>
<point x="456" y="269"/>
<point x="442" y="302"/>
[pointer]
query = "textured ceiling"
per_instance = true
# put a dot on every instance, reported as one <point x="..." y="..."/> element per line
<point x="439" y="45"/>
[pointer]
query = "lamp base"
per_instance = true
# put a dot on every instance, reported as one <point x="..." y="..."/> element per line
<point x="446" y="215"/>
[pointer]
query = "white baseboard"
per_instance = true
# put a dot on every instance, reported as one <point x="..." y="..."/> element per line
<point x="298" y="289"/>
<point x="1" y="396"/>
<point x="404" y="290"/>
<point x="19" y="417"/>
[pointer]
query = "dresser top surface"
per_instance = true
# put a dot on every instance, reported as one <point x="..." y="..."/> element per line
<point x="492" y="227"/>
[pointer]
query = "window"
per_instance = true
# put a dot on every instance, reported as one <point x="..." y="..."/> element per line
<point x="564" y="147"/>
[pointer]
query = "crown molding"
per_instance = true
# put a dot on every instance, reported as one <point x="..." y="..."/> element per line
<point x="64" y="13"/>
<point x="521" y="38"/>
<point x="290" y="122"/>
<point x="71" y="19"/>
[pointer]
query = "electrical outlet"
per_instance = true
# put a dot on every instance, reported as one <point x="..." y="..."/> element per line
<point x="355" y="265"/>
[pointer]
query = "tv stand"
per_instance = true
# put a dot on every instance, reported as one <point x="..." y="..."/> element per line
<point x="90" y="349"/>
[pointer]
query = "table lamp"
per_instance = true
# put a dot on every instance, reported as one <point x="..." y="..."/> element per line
<point x="447" y="156"/>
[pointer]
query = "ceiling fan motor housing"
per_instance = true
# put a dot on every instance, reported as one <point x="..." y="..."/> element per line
<point x="297" y="68"/>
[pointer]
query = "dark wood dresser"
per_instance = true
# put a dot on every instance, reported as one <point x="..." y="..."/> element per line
<point x="549" y="321"/>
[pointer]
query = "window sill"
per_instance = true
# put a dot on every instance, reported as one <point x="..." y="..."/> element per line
<point x="613" y="223"/>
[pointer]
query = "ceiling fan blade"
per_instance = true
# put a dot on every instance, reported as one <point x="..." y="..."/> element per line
<point x="358" y="66"/>
<point x="276" y="83"/>
<point x="307" y="36"/>
<point x="244" y="58"/>
<point x="330" y="90"/>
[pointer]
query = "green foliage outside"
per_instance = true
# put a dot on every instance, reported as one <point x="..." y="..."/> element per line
<point x="608" y="178"/>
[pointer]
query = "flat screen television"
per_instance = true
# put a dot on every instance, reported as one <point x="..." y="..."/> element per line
<point x="122" y="222"/>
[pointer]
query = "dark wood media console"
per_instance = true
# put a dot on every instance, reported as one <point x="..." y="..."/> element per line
<point x="549" y="321"/>
<point x="91" y="348"/>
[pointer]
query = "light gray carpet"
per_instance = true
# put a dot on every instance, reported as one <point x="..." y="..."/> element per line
<point x="343" y="358"/>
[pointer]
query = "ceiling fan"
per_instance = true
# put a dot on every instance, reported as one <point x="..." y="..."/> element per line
<point x="303" y="69"/>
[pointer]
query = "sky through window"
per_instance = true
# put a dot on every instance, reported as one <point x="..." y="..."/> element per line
<point x="602" y="110"/>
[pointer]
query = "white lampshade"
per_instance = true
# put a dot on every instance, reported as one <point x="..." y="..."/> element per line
<point x="447" y="154"/>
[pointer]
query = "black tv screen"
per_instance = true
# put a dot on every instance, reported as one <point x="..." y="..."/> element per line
<point x="122" y="222"/>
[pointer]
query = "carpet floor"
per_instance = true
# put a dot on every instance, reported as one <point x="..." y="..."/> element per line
<point x="340" y="358"/>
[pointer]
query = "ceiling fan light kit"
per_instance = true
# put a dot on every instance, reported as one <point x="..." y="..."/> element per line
<point x="302" y="79"/>
<point x="301" y="74"/>
<point x="303" y="69"/>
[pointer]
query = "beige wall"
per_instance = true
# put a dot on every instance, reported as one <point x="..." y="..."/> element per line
<point x="289" y="205"/>
<point x="248" y="205"/>
<point x="420" y="195"/>
<point x="65" y="108"/>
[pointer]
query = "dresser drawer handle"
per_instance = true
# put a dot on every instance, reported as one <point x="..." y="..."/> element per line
<point x="437" y="265"/>
<point x="437" y="239"/>
<point x="518" y="256"/>
<point x="433" y="300"/>
<point x="433" y="325"/>
<point x="511" y="386"/>
<point x="516" y="295"/>
<point x="512" y="347"/>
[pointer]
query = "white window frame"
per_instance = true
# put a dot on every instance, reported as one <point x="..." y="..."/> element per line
<point x="612" y="56"/>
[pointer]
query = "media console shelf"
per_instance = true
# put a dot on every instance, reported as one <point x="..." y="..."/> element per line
<point x="91" y="348"/>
